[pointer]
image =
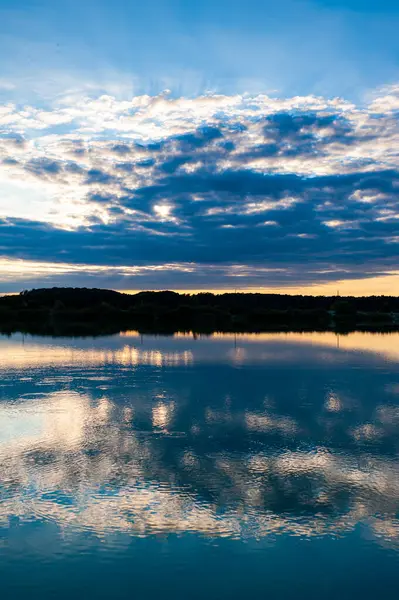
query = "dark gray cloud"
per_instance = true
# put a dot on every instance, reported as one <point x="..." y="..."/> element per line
<point x="288" y="198"/>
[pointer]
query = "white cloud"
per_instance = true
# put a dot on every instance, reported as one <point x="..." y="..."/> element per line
<point x="200" y="169"/>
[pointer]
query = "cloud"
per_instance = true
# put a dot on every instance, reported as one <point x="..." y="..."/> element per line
<point x="269" y="191"/>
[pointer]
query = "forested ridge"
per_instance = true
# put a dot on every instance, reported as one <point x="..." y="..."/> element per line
<point x="101" y="310"/>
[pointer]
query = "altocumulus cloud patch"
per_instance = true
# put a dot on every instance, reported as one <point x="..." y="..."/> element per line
<point x="199" y="192"/>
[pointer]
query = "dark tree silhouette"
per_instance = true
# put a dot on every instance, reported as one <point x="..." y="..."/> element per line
<point x="107" y="310"/>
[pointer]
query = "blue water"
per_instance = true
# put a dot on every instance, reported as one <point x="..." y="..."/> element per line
<point x="210" y="467"/>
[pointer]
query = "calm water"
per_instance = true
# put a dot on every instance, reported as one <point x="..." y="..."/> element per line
<point x="224" y="467"/>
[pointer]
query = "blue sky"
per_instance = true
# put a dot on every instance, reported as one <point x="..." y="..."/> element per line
<point x="199" y="145"/>
<point x="229" y="46"/>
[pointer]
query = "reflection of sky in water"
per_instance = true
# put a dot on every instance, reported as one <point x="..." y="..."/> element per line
<point x="133" y="349"/>
<point x="249" y="438"/>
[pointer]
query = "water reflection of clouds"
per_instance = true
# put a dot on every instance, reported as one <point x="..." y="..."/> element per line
<point x="57" y="420"/>
<point x="162" y="414"/>
<point x="266" y="422"/>
<point x="333" y="403"/>
<point x="117" y="480"/>
<point x="221" y="463"/>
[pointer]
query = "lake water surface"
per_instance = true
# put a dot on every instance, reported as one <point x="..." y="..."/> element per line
<point x="248" y="466"/>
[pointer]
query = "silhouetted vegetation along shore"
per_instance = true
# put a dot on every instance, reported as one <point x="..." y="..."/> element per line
<point x="107" y="311"/>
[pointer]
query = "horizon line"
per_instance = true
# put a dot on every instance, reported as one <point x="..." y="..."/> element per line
<point x="216" y="292"/>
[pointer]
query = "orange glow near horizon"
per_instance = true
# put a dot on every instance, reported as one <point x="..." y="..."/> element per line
<point x="387" y="285"/>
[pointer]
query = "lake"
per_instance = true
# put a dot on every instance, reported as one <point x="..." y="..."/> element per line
<point x="228" y="466"/>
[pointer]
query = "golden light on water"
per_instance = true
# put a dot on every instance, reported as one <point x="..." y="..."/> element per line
<point x="383" y="344"/>
<point x="21" y="355"/>
<point x="185" y="349"/>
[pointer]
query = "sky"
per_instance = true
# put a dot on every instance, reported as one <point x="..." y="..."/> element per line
<point x="208" y="145"/>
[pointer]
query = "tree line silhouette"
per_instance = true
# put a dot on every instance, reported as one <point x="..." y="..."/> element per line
<point x="100" y="310"/>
